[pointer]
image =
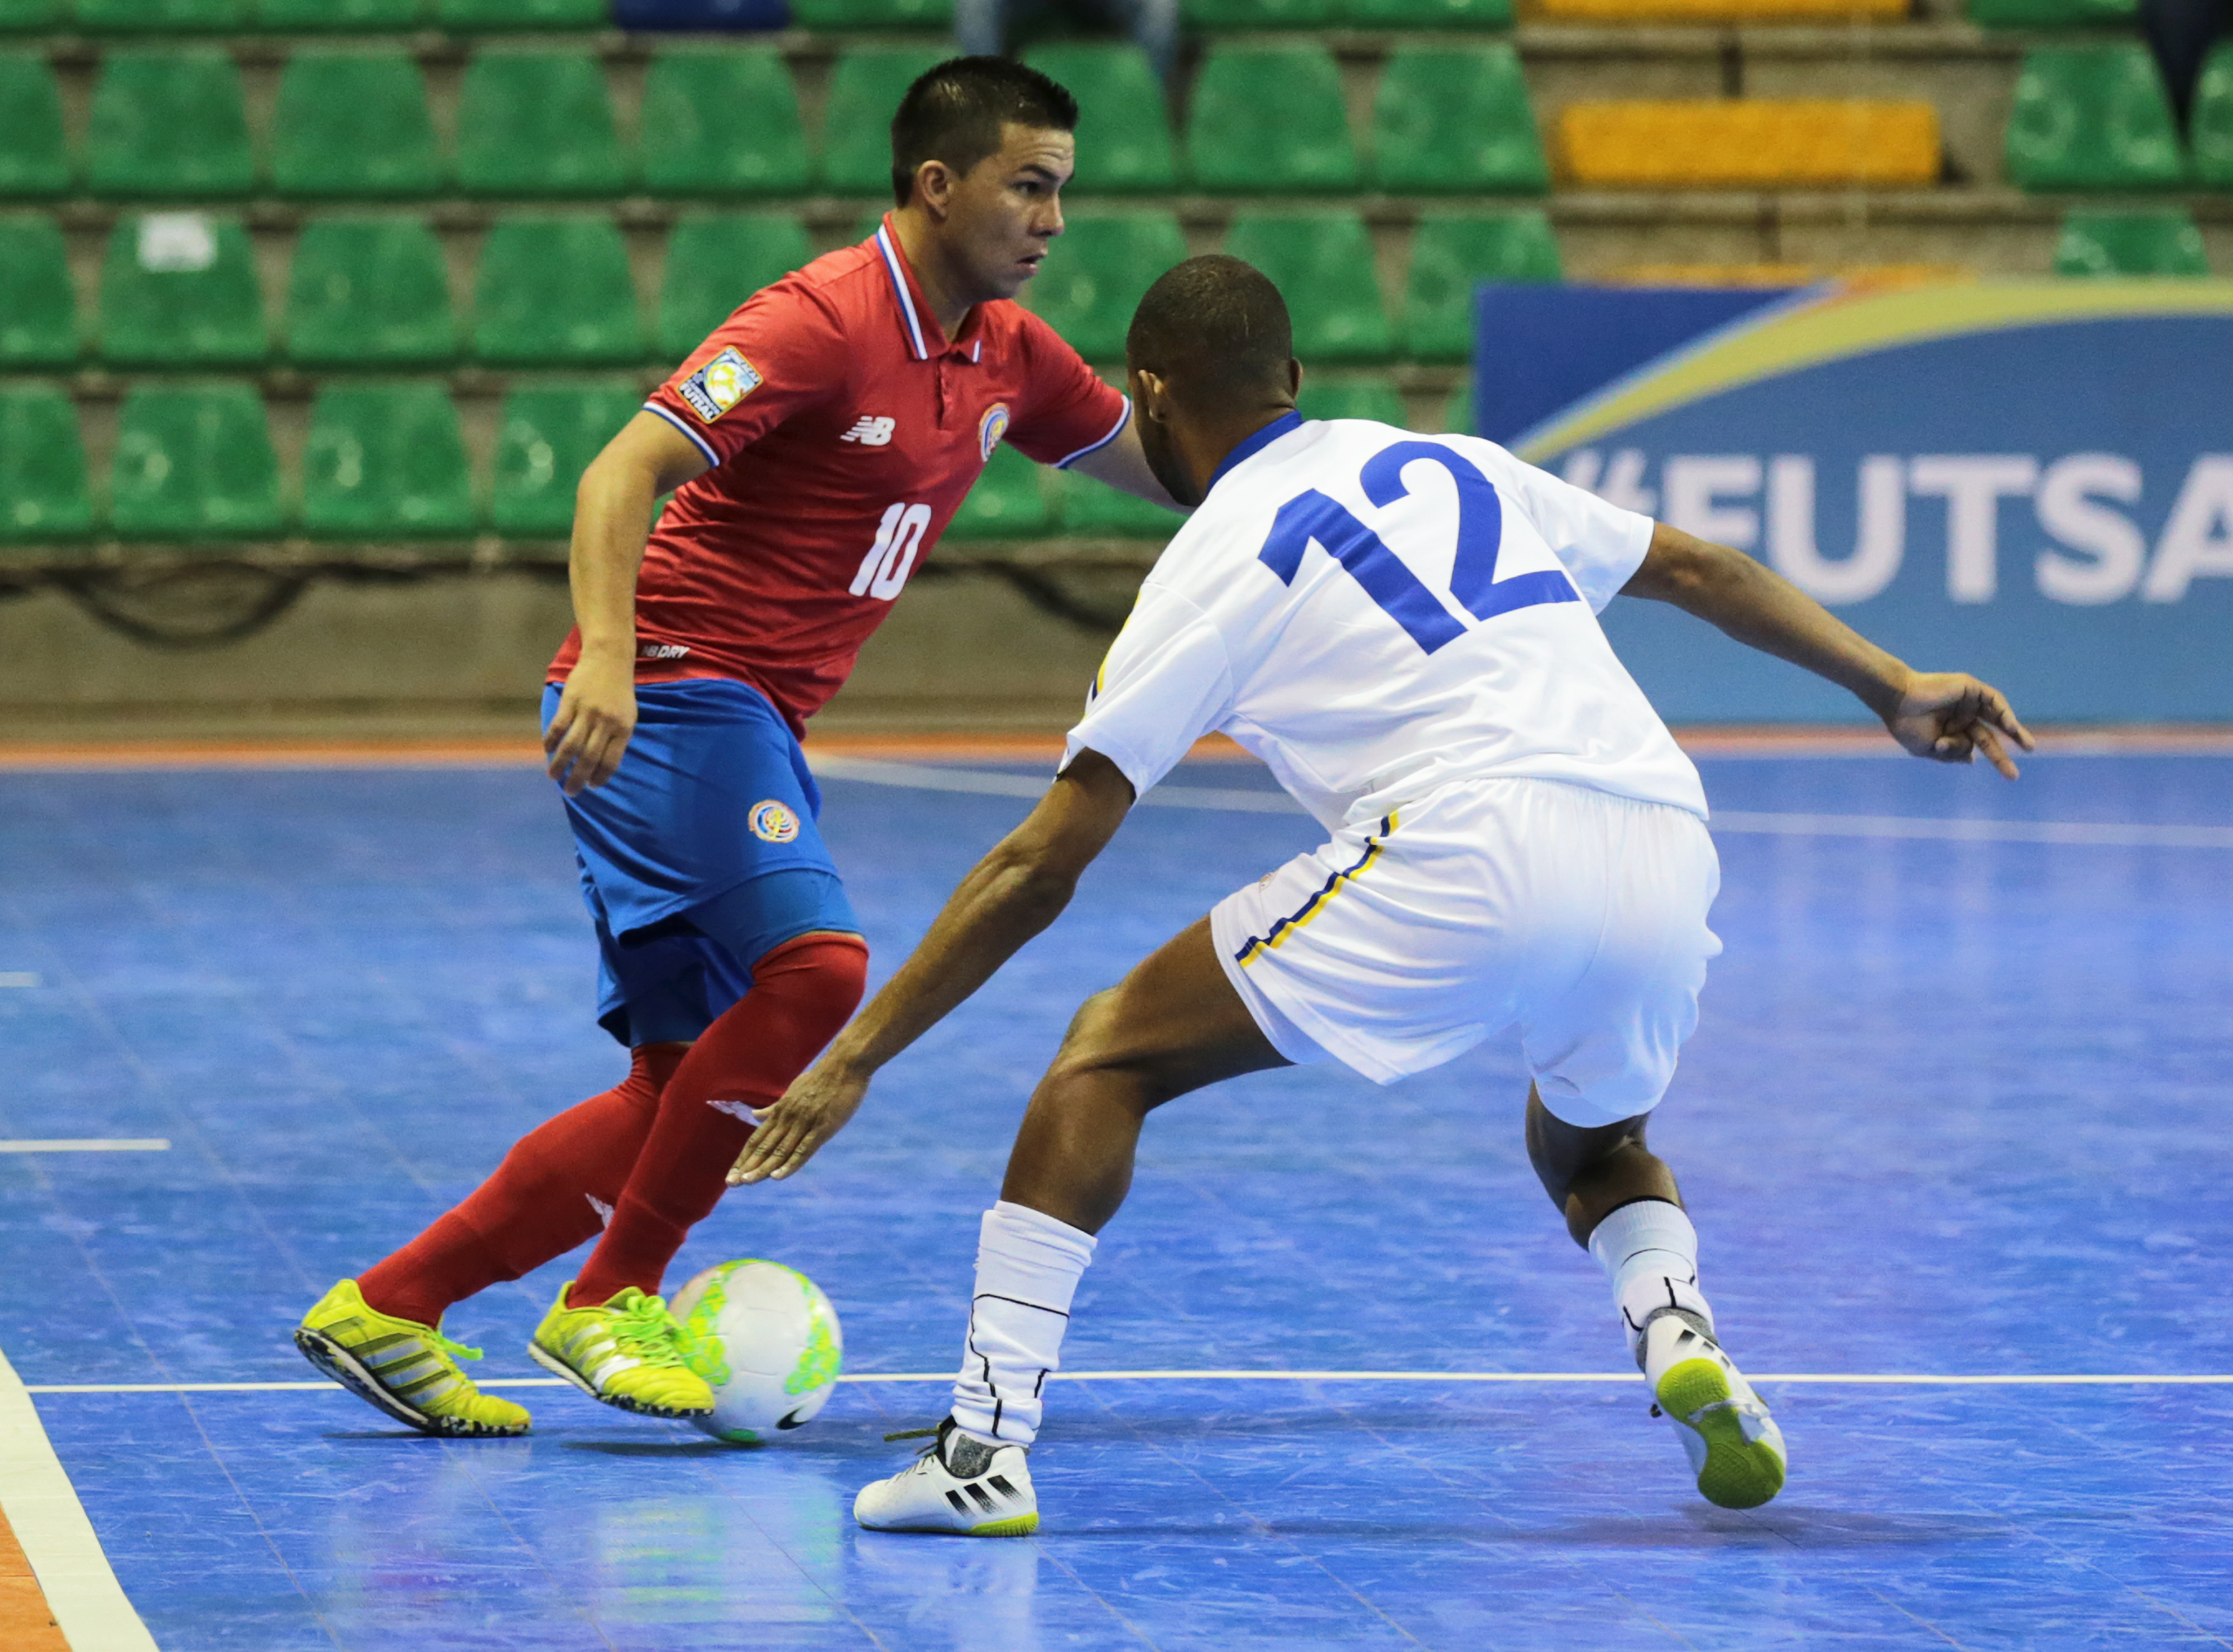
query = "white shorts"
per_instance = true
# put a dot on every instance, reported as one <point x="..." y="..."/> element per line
<point x="1577" y="916"/>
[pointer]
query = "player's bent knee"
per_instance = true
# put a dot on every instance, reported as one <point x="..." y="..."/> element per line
<point x="802" y="992"/>
<point x="1107" y="1037"/>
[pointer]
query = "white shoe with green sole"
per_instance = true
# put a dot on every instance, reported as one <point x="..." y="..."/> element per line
<point x="960" y="1486"/>
<point x="1734" y="1448"/>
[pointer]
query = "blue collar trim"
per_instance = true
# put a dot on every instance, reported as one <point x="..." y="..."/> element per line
<point x="1255" y="445"/>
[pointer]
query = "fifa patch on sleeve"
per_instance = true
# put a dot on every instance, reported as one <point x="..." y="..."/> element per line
<point x="719" y="384"/>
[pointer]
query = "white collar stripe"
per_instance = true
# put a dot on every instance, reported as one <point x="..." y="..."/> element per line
<point x="900" y="290"/>
<point x="701" y="443"/>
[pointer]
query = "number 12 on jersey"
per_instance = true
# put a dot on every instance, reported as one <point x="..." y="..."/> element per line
<point x="1312" y="516"/>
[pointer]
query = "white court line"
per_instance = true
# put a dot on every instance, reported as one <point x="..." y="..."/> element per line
<point x="90" y="1144"/>
<point x="81" y="1588"/>
<point x="1873" y="1378"/>
<point x="19" y="978"/>
<point x="2093" y="834"/>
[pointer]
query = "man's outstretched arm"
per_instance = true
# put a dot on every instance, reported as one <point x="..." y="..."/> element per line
<point x="1943" y="715"/>
<point x="1016" y="891"/>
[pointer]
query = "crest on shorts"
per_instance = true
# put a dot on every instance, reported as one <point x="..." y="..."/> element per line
<point x="991" y="428"/>
<point x="772" y="823"/>
<point x="719" y="384"/>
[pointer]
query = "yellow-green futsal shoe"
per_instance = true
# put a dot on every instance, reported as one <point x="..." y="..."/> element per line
<point x="627" y="1352"/>
<point x="407" y="1370"/>
<point x="1734" y="1448"/>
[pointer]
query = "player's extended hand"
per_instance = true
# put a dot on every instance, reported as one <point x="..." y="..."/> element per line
<point x="595" y="717"/>
<point x="1950" y="717"/>
<point x="820" y="1102"/>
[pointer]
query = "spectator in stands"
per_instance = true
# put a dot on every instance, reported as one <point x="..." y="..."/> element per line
<point x="2180" y="33"/>
<point x="986" y="28"/>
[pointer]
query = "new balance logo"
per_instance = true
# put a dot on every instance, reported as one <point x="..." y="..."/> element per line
<point x="743" y="1110"/>
<point x="870" y="433"/>
<point x="604" y="1210"/>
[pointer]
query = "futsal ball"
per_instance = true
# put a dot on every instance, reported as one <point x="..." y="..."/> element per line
<point x="766" y="1341"/>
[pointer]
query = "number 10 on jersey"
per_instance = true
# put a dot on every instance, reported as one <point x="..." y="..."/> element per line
<point x="899" y="536"/>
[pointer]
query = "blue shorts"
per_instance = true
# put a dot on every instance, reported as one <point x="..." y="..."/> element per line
<point x="699" y="857"/>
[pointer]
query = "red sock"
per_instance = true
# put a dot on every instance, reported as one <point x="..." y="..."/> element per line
<point x="553" y="1191"/>
<point x="802" y="993"/>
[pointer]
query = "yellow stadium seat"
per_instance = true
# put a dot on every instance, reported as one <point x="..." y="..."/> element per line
<point x="1712" y="12"/>
<point x="1749" y="143"/>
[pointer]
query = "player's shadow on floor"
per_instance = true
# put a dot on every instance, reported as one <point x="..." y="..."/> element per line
<point x="1678" y="1528"/>
<point x="672" y="1450"/>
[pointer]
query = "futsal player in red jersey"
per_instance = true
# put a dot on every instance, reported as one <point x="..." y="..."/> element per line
<point x="815" y="446"/>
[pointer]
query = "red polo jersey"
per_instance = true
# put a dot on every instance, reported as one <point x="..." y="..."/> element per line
<point x="843" y="428"/>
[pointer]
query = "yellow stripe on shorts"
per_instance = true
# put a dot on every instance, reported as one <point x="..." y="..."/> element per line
<point x="1277" y="933"/>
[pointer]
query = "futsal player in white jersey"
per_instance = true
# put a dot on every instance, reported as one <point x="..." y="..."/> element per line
<point x="1404" y="629"/>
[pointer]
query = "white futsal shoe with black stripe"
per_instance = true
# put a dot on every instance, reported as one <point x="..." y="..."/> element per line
<point x="1734" y="1448"/>
<point x="958" y="1485"/>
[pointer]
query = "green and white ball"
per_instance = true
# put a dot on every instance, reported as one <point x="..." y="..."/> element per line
<point x="767" y="1343"/>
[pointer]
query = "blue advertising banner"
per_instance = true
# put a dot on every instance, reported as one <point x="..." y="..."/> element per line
<point x="2030" y="480"/>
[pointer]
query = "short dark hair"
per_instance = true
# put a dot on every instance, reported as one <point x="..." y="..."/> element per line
<point x="1217" y="326"/>
<point x="954" y="114"/>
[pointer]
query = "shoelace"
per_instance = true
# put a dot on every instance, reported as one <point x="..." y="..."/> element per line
<point x="645" y="1329"/>
<point x="931" y="1434"/>
<point x="455" y="1351"/>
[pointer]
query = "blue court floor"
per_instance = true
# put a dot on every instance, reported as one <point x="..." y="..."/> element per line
<point x="1956" y="1109"/>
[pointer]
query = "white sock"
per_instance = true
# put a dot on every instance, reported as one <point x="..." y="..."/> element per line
<point x="1028" y="1266"/>
<point x="1650" y="1250"/>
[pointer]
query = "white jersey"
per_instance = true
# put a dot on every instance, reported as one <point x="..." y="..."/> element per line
<point x="1375" y="615"/>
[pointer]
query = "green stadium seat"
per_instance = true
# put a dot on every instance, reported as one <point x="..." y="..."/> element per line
<point x="714" y="264"/>
<point x="33" y="17"/>
<point x="722" y="123"/>
<point x="1013" y="497"/>
<point x="1095" y="273"/>
<point x="43" y="494"/>
<point x="1093" y="510"/>
<point x="1323" y="262"/>
<point x="178" y="289"/>
<point x="1457" y="416"/>
<point x="353" y="125"/>
<point x="194" y="463"/>
<point x="873" y="14"/>
<point x="164" y="16"/>
<point x="34" y="156"/>
<point x="871" y="220"/>
<point x="1456" y="119"/>
<point x="1453" y="252"/>
<point x="1218" y="14"/>
<point x="38" y="311"/>
<point x="1428" y="14"/>
<point x="2054" y="14"/>
<point x="519" y="15"/>
<point x="537" y="123"/>
<point x="2092" y="118"/>
<point x="1270" y="119"/>
<point x="169" y="124"/>
<point x="339" y="16"/>
<point x="369" y="292"/>
<point x="550" y="433"/>
<point x="1372" y="397"/>
<point x="2155" y="242"/>
<point x="2211" y="130"/>
<point x="1125" y="124"/>
<point x="556" y="292"/>
<point x="385" y="460"/>
<point x="865" y="87"/>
